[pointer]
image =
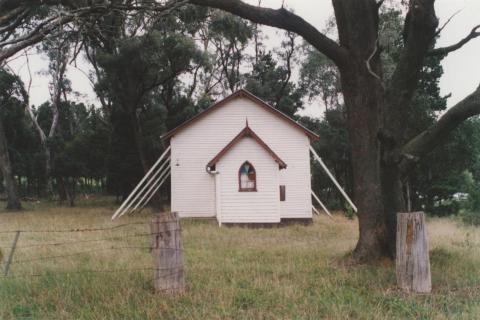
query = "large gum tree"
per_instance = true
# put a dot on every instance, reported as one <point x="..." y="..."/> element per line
<point x="377" y="111"/>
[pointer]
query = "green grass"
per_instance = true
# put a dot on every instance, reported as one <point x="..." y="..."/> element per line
<point x="295" y="272"/>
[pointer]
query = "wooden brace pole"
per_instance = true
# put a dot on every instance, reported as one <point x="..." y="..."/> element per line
<point x="155" y="191"/>
<point x="150" y="183"/>
<point x="330" y="175"/>
<point x="124" y="204"/>
<point x="154" y="184"/>
<point x="321" y="204"/>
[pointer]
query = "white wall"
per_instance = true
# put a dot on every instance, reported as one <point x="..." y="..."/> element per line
<point x="193" y="189"/>
<point x="257" y="206"/>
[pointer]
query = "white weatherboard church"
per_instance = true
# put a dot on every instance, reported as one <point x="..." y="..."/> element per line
<point x="239" y="161"/>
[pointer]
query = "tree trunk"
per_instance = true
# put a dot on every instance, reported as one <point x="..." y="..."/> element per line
<point x="363" y="93"/>
<point x="363" y="109"/>
<point x="71" y="190"/>
<point x="13" y="200"/>
<point x="392" y="190"/>
<point x="137" y="134"/>
<point x="125" y="168"/>
<point x="62" y="192"/>
<point x="47" y="190"/>
<point x="43" y="187"/>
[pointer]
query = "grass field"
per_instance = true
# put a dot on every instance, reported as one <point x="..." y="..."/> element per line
<point x="295" y="272"/>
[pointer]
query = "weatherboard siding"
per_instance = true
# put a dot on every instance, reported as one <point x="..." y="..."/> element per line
<point x="193" y="189"/>
<point x="256" y="206"/>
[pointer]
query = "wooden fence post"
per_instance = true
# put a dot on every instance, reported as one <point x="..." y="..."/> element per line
<point x="167" y="253"/>
<point x="412" y="261"/>
<point x="12" y="251"/>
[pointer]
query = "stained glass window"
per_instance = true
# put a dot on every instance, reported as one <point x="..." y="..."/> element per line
<point x="247" y="177"/>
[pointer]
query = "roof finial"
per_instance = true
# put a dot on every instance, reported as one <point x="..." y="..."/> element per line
<point x="246" y="121"/>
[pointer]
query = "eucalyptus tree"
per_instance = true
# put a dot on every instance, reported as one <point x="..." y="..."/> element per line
<point x="271" y="77"/>
<point x="11" y="92"/>
<point x="57" y="47"/>
<point x="139" y="63"/>
<point x="320" y="78"/>
<point x="377" y="109"/>
<point x="230" y="35"/>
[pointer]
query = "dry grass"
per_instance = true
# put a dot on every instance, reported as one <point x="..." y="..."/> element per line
<point x="295" y="272"/>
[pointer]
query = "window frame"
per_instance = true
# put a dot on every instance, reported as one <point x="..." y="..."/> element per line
<point x="252" y="189"/>
<point x="283" y="193"/>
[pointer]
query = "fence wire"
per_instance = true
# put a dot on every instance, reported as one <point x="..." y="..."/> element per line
<point x="113" y="238"/>
<point x="90" y="229"/>
<point x="77" y="254"/>
<point x="12" y="247"/>
<point x="68" y="272"/>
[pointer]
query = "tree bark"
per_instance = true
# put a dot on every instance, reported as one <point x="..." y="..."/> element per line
<point x="13" y="200"/>
<point x="364" y="99"/>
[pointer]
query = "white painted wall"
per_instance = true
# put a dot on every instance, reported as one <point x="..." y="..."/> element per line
<point x="262" y="205"/>
<point x="193" y="189"/>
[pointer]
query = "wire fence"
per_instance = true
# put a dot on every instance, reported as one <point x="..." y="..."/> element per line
<point x="89" y="229"/>
<point x="114" y="238"/>
<point x="39" y="251"/>
<point x="96" y="245"/>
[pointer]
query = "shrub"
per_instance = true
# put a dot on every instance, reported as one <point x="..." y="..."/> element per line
<point x="349" y="213"/>
<point x="446" y="208"/>
<point x="471" y="217"/>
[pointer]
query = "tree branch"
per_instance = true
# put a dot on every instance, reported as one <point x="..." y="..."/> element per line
<point x="446" y="23"/>
<point x="26" y="94"/>
<point x="419" y="30"/>
<point x="49" y="24"/>
<point x="446" y="50"/>
<point x="60" y="67"/>
<point x="33" y="37"/>
<point x="11" y="15"/>
<point x="426" y="141"/>
<point x="283" y="19"/>
<point x="369" y="67"/>
<point x="380" y="3"/>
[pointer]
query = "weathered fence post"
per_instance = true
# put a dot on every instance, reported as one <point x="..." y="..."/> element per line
<point x="12" y="251"/>
<point x="412" y="262"/>
<point x="167" y="253"/>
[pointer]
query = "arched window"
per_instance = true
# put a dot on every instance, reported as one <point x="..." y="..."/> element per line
<point x="247" y="178"/>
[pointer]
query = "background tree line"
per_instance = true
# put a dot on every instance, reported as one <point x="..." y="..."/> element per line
<point x="152" y="71"/>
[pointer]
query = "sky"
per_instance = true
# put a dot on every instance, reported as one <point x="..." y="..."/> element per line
<point x="461" y="68"/>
